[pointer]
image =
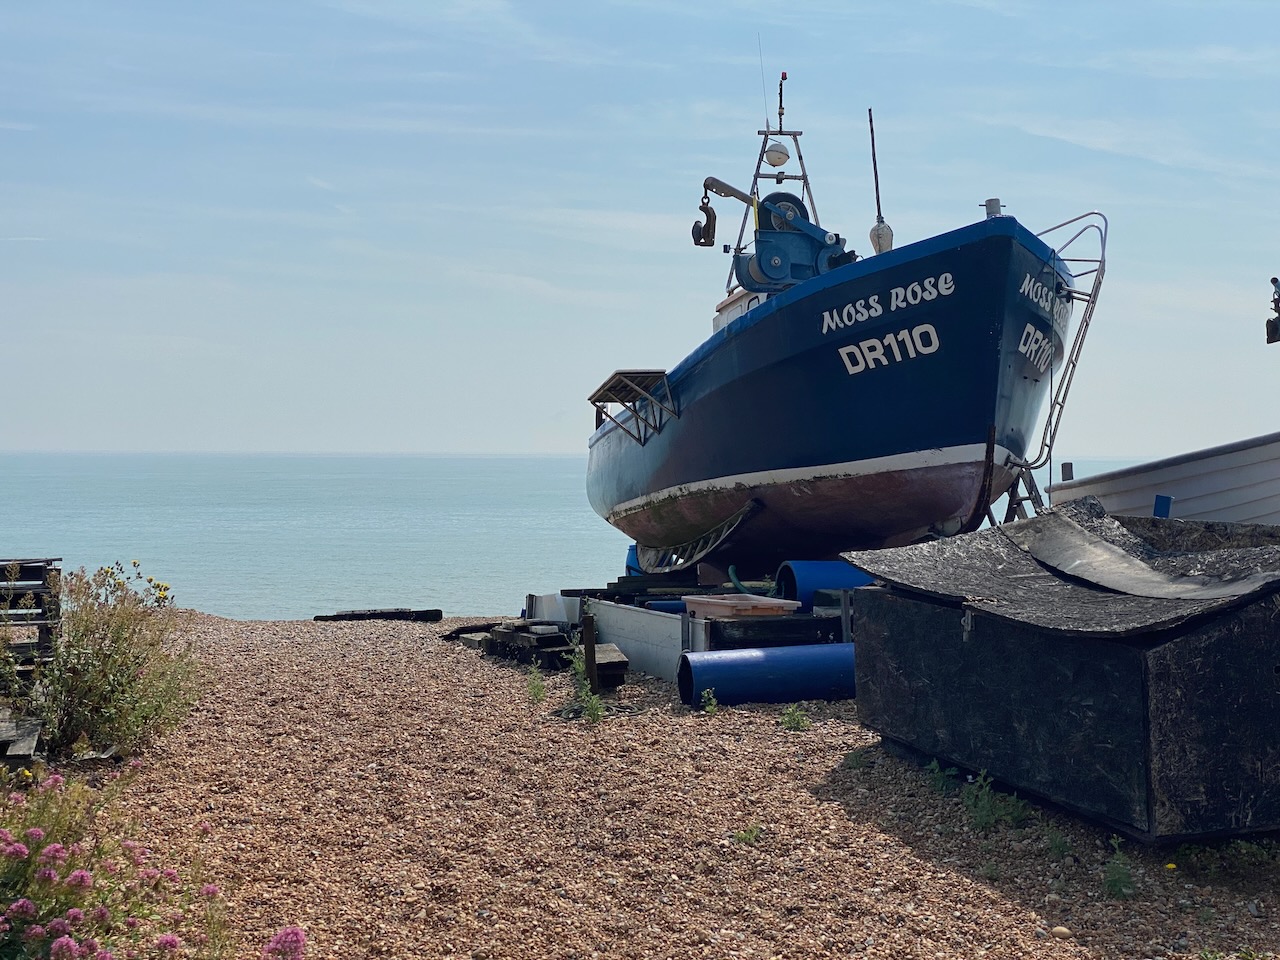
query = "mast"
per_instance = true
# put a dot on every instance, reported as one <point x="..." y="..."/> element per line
<point x="769" y="168"/>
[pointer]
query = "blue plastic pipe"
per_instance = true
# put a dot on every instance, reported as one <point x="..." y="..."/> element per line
<point x="816" y="671"/>
<point x="798" y="579"/>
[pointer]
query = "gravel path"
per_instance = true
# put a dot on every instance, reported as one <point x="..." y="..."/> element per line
<point x="399" y="796"/>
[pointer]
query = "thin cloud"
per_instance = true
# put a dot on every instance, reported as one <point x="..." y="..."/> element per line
<point x="15" y="125"/>
<point x="494" y="23"/>
<point x="1163" y="145"/>
<point x="1182" y="63"/>
<point x="372" y="118"/>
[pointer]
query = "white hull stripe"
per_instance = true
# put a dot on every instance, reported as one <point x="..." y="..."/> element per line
<point x="916" y="460"/>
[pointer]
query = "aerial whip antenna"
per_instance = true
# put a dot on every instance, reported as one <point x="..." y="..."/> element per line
<point x="764" y="89"/>
<point x="881" y="233"/>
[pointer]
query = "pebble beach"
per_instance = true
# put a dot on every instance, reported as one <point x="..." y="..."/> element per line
<point x="397" y="794"/>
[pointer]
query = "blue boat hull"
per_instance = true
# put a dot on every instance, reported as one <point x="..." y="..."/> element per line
<point x="870" y="406"/>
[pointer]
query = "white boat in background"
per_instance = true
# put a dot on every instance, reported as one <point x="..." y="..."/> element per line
<point x="1238" y="482"/>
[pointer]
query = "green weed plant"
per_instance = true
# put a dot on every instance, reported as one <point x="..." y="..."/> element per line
<point x="537" y="686"/>
<point x="1117" y="874"/>
<point x="709" y="702"/>
<point x="988" y="808"/>
<point x="942" y="781"/>
<point x="795" y="719"/>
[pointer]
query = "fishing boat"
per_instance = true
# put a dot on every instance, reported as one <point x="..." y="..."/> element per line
<point x="1237" y="482"/>
<point x="843" y="402"/>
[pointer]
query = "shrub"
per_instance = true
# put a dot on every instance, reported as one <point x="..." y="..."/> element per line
<point x="750" y="836"/>
<point x="117" y="676"/>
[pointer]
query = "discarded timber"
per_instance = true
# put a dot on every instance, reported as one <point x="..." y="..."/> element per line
<point x="19" y="737"/>
<point x="391" y="613"/>
<point x="1134" y="679"/>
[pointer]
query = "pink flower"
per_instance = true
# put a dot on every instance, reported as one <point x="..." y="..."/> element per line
<point x="17" y="799"/>
<point x="168" y="943"/>
<point x="64" y="948"/>
<point x="5" y="836"/>
<point x="33" y="932"/>
<point x="100" y="914"/>
<point x="170" y="875"/>
<point x="210" y="890"/>
<point x="80" y="879"/>
<point x="35" y="834"/>
<point x="22" y="909"/>
<point x="104" y="955"/>
<point x="75" y="915"/>
<point x="52" y="782"/>
<point x="89" y="946"/>
<point x="54" y="853"/>
<point x="58" y="927"/>
<point x="288" y="944"/>
<point x="46" y="875"/>
<point x="16" y="851"/>
<point x="206" y="827"/>
<point x="131" y="922"/>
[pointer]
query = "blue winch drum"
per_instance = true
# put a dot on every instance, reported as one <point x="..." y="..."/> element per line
<point x="798" y="579"/>
<point x="816" y="671"/>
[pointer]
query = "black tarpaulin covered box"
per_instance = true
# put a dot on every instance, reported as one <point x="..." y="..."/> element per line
<point x="1126" y="668"/>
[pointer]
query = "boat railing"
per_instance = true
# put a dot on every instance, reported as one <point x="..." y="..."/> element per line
<point x="644" y="394"/>
<point x="1092" y="224"/>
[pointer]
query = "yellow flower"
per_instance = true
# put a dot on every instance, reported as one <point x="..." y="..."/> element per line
<point x="1171" y="866"/>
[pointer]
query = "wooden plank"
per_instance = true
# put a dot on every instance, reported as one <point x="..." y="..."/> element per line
<point x="608" y="655"/>
<point x="28" y="733"/>
<point x="390" y="613"/>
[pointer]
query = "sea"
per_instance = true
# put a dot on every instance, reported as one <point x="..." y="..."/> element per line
<point x="286" y="537"/>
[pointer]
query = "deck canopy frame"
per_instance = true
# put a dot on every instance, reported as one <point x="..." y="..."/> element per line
<point x="644" y="394"/>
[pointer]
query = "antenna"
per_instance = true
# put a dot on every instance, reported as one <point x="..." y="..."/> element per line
<point x="875" y="170"/>
<point x="764" y="90"/>
<point x="881" y="233"/>
<point x="780" y="83"/>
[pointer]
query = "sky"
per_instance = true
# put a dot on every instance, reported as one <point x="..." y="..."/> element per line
<point x="437" y="225"/>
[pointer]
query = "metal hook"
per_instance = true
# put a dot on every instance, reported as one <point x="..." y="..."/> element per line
<point x="704" y="235"/>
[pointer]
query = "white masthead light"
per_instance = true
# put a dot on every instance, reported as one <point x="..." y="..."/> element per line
<point x="776" y="154"/>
